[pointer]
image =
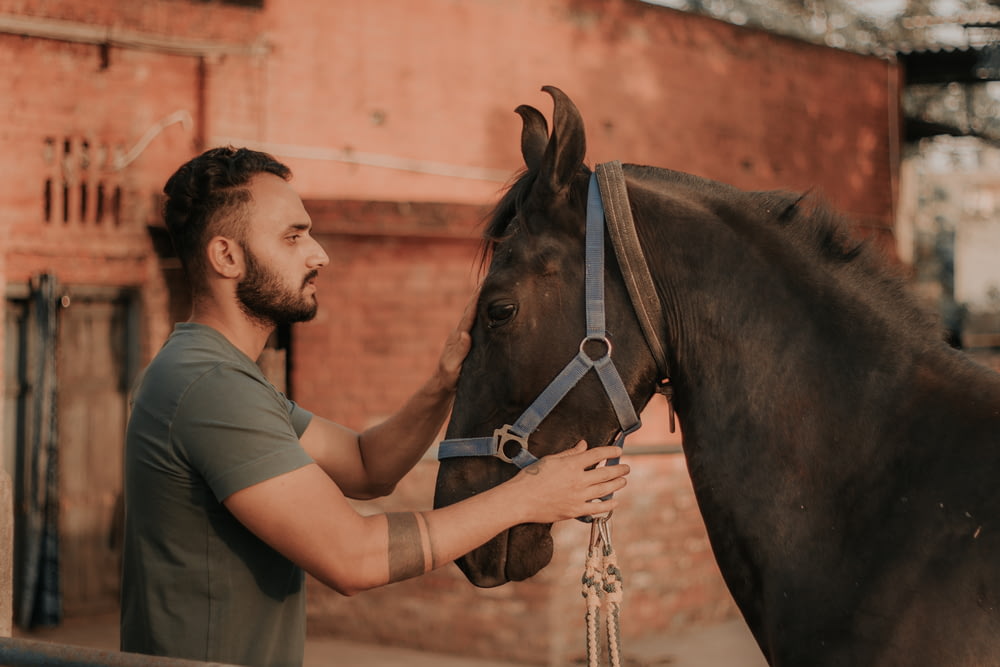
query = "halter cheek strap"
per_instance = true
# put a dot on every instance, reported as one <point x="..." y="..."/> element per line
<point x="510" y="442"/>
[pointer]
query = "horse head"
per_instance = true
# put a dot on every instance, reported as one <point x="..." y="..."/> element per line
<point x="530" y="322"/>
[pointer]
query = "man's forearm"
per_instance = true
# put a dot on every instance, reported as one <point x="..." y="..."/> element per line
<point x="371" y="463"/>
<point x="419" y="542"/>
<point x="390" y="449"/>
<point x="353" y="553"/>
<point x="413" y="543"/>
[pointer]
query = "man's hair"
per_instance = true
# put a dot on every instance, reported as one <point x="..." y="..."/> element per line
<point x="208" y="196"/>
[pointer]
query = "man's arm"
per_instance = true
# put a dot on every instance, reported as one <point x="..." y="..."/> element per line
<point x="303" y="515"/>
<point x="369" y="464"/>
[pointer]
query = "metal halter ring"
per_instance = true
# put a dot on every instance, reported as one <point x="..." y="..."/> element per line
<point x="597" y="339"/>
<point x="502" y="437"/>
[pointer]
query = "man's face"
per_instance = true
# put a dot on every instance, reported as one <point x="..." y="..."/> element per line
<point x="281" y="258"/>
<point x="265" y="296"/>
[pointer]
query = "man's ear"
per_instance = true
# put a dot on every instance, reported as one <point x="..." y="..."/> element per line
<point x="225" y="257"/>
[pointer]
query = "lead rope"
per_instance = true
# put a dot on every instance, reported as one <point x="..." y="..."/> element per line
<point x="602" y="579"/>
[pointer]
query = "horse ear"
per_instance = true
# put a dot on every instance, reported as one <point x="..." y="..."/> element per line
<point x="567" y="146"/>
<point x="534" y="135"/>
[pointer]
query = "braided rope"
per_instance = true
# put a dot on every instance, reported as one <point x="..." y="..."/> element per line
<point x="613" y="599"/>
<point x="592" y="593"/>
<point x="602" y="582"/>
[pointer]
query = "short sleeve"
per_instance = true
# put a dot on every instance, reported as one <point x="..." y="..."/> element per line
<point x="237" y="430"/>
<point x="300" y="417"/>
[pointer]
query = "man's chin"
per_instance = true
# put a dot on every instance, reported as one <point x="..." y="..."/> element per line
<point x="305" y="314"/>
<point x="287" y="317"/>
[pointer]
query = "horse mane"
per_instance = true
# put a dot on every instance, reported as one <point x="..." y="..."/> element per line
<point x="822" y="238"/>
<point x="856" y="263"/>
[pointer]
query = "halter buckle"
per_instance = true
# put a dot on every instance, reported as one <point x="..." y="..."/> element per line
<point x="502" y="437"/>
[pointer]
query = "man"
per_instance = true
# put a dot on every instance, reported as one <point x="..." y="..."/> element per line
<point x="232" y="490"/>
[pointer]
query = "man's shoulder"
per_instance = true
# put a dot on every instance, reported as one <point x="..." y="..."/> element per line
<point x="194" y="349"/>
<point x="196" y="357"/>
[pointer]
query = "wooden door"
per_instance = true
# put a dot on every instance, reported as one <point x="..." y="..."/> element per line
<point x="95" y="366"/>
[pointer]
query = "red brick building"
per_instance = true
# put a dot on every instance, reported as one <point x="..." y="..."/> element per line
<point x="397" y="119"/>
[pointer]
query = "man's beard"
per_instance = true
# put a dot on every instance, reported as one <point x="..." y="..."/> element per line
<point x="264" y="297"/>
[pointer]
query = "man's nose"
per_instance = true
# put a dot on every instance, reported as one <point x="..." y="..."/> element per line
<point x="318" y="257"/>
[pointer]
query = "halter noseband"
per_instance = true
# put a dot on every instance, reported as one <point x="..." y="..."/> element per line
<point x="509" y="443"/>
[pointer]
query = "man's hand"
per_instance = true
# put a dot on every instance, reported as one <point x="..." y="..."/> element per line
<point x="566" y="485"/>
<point x="457" y="346"/>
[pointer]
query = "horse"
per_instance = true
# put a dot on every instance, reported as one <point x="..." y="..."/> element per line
<point x="844" y="458"/>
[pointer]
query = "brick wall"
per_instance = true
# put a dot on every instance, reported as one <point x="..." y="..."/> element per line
<point x="381" y="108"/>
<point x="68" y="208"/>
<point x="391" y="294"/>
<point x="92" y="130"/>
<point x="363" y="106"/>
<point x="655" y="86"/>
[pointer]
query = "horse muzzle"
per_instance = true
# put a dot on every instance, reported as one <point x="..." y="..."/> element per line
<point x="514" y="555"/>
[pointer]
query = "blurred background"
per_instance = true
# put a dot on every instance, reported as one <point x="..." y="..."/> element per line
<point x="397" y="119"/>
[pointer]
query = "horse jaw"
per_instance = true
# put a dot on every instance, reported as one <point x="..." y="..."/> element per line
<point x="514" y="555"/>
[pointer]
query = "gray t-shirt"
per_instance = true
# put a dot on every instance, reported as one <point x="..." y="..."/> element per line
<point x="196" y="583"/>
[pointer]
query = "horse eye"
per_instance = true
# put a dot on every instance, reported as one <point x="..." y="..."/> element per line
<point x="500" y="313"/>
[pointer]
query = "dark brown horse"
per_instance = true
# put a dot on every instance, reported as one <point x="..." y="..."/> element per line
<point x="846" y="461"/>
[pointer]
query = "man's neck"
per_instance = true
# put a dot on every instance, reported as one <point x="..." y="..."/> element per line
<point x="247" y="334"/>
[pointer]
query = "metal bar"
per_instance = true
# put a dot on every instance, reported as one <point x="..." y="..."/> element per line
<point x="29" y="653"/>
<point x="652" y="450"/>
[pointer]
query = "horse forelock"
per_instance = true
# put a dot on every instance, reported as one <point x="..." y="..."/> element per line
<point x="499" y="220"/>
<point x="502" y="217"/>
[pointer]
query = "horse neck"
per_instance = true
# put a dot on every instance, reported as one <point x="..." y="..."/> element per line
<point x="810" y="403"/>
<point x="771" y="351"/>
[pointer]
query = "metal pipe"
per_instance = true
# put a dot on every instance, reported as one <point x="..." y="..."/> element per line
<point x="86" y="33"/>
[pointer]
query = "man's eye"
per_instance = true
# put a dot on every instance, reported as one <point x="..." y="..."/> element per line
<point x="500" y="313"/>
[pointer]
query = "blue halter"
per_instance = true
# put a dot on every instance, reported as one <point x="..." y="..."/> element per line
<point x="510" y="442"/>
